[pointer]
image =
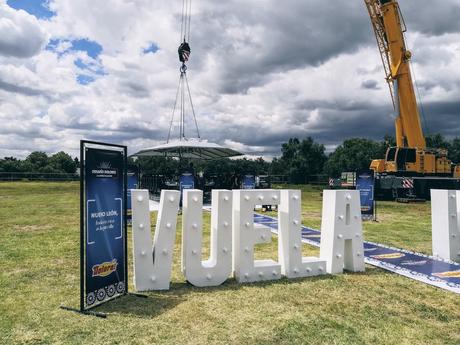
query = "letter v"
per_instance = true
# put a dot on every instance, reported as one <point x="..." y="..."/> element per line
<point x="152" y="267"/>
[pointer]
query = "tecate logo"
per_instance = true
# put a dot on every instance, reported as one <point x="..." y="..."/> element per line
<point x="105" y="268"/>
<point x="449" y="274"/>
<point x="388" y="256"/>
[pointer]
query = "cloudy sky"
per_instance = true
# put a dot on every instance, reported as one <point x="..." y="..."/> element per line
<point x="261" y="71"/>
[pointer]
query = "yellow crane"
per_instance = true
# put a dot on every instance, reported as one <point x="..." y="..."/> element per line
<point x="410" y="157"/>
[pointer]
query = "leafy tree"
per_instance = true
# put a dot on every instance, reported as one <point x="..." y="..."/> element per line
<point x="300" y="159"/>
<point x="50" y="169"/>
<point x="454" y="151"/>
<point x="437" y="141"/>
<point x="354" y="154"/>
<point x="389" y="141"/>
<point x="26" y="166"/>
<point x="10" y="164"/>
<point x="158" y="165"/>
<point x="62" y="162"/>
<point x="169" y="166"/>
<point x="38" y="159"/>
<point x="37" y="162"/>
<point x="278" y="167"/>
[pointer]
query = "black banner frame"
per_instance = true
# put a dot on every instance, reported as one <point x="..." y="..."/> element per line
<point x="82" y="309"/>
<point x="83" y="144"/>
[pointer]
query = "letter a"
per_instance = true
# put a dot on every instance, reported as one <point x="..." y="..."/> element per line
<point x="341" y="231"/>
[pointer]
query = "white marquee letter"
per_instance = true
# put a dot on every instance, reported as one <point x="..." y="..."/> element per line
<point x="293" y="265"/>
<point x="217" y="269"/>
<point x="341" y="231"/>
<point x="445" y="212"/>
<point x="245" y="236"/>
<point x="152" y="268"/>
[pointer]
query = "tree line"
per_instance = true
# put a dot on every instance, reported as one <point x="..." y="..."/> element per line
<point x="40" y="162"/>
<point x="300" y="158"/>
<point x="305" y="157"/>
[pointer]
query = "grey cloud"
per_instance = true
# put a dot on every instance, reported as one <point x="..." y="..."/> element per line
<point x="51" y="96"/>
<point x="124" y="132"/>
<point x="20" y="49"/>
<point x="276" y="37"/>
<point x="26" y="132"/>
<point x="338" y="122"/>
<point x="24" y="90"/>
<point x="427" y="85"/>
<point x="119" y="135"/>
<point x="134" y="88"/>
<point x="432" y="17"/>
<point x="141" y="130"/>
<point x="442" y="117"/>
<point x="286" y="36"/>
<point x="370" y="84"/>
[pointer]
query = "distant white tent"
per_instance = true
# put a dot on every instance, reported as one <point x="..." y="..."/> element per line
<point x="191" y="148"/>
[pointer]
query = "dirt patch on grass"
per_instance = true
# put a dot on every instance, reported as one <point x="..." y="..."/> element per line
<point x="16" y="271"/>
<point x="312" y="214"/>
<point x="30" y="228"/>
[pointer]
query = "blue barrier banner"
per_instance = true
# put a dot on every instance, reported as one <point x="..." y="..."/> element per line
<point x="133" y="183"/>
<point x="249" y="182"/>
<point x="186" y="181"/>
<point x="365" y="184"/>
<point x="427" y="269"/>
<point x="104" y="227"/>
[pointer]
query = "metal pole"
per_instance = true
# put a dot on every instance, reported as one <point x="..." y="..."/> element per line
<point x="125" y="213"/>
<point x="375" y="211"/>
<point x="82" y="230"/>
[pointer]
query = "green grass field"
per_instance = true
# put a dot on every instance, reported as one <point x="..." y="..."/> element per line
<point x="39" y="270"/>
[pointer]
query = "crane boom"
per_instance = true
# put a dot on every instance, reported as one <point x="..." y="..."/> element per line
<point x="389" y="29"/>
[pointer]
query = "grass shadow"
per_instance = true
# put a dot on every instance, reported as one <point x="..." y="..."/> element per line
<point x="151" y="306"/>
<point x="157" y="302"/>
<point x="185" y="288"/>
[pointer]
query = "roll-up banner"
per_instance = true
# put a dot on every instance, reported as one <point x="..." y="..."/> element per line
<point x="365" y="184"/>
<point x="103" y="210"/>
<point x="249" y="182"/>
<point x="186" y="181"/>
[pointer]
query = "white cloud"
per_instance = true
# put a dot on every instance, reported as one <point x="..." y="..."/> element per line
<point x="20" y="33"/>
<point x="259" y="73"/>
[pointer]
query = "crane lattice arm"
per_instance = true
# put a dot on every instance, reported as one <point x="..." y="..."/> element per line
<point x="389" y="29"/>
<point x="373" y="7"/>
